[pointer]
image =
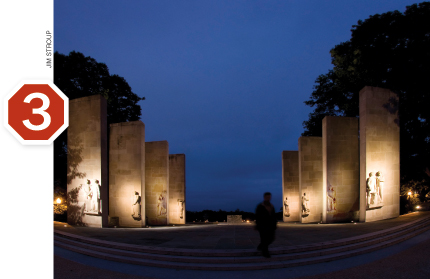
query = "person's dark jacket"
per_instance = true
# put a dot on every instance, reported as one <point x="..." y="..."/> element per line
<point x="265" y="220"/>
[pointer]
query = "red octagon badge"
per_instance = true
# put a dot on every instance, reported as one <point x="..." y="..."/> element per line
<point x="37" y="112"/>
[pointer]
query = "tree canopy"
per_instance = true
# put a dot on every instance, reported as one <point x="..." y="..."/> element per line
<point x="80" y="76"/>
<point x="389" y="50"/>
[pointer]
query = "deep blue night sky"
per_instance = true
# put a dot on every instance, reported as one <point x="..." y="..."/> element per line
<point x="224" y="81"/>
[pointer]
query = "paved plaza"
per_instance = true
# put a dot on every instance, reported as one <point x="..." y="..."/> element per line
<point x="412" y="262"/>
<point x="223" y="236"/>
<point x="408" y="259"/>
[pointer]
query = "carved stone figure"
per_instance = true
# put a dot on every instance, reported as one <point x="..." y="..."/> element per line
<point x="161" y="205"/>
<point x="135" y="208"/>
<point x="305" y="205"/>
<point x="331" y="199"/>
<point x="286" y="207"/>
<point x="87" y="190"/>
<point x="375" y="186"/>
<point x="371" y="189"/>
<point x="92" y="191"/>
<point x="181" y="208"/>
<point x="95" y="197"/>
<point x="379" y="186"/>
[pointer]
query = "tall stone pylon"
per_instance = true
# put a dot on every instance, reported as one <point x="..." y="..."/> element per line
<point x="290" y="186"/>
<point x="157" y="182"/>
<point x="341" y="169"/>
<point x="127" y="174"/>
<point x="87" y="158"/>
<point x="379" y="154"/>
<point x="177" y="187"/>
<point x="310" y="179"/>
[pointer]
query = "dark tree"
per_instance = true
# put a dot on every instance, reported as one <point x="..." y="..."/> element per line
<point x="391" y="50"/>
<point x="80" y="76"/>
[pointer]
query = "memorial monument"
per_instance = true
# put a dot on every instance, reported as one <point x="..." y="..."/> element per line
<point x="352" y="173"/>
<point x="311" y="179"/>
<point x="127" y="172"/>
<point x="379" y="154"/>
<point x="137" y="192"/>
<point x="157" y="182"/>
<point x="87" y="173"/>
<point x="290" y="186"/>
<point x="177" y="189"/>
<point x="341" y="169"/>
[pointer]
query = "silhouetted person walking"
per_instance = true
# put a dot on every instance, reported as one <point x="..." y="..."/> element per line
<point x="266" y="224"/>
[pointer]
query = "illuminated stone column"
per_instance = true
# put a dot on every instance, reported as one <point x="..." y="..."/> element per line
<point x="157" y="182"/>
<point x="341" y="185"/>
<point x="310" y="179"/>
<point x="127" y="173"/>
<point x="379" y="155"/>
<point x="291" y="201"/>
<point x="177" y="189"/>
<point x="87" y="192"/>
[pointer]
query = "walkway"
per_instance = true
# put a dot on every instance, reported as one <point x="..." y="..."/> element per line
<point x="234" y="236"/>
<point x="409" y="259"/>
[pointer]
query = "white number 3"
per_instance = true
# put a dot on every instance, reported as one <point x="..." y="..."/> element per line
<point x="41" y="111"/>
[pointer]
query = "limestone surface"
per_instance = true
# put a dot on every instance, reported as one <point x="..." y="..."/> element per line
<point x="127" y="173"/>
<point x="291" y="201"/>
<point x="87" y="162"/>
<point x="340" y="169"/>
<point x="310" y="179"/>
<point x="379" y="154"/>
<point x="157" y="182"/>
<point x="177" y="202"/>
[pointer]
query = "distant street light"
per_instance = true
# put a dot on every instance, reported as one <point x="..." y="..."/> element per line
<point x="58" y="201"/>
